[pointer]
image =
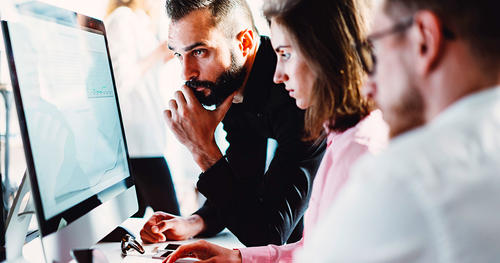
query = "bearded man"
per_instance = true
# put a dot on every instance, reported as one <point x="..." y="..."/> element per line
<point x="227" y="64"/>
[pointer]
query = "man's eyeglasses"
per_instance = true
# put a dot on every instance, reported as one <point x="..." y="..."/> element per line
<point x="365" y="48"/>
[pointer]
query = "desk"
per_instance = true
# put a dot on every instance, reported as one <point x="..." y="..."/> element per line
<point x="33" y="252"/>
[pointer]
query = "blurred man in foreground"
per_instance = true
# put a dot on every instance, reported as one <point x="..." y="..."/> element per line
<point x="433" y="195"/>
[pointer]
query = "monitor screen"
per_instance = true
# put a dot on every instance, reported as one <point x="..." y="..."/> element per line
<point x="69" y="112"/>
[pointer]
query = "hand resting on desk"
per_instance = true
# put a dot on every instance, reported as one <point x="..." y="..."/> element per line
<point x="206" y="252"/>
<point x="163" y="226"/>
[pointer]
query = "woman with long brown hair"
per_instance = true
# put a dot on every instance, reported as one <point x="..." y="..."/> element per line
<point x="317" y="61"/>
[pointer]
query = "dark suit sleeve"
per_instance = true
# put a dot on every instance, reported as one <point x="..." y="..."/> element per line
<point x="210" y="215"/>
<point x="261" y="208"/>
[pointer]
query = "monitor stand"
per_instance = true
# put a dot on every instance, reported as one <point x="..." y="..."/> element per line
<point x="2" y="225"/>
<point x="18" y="221"/>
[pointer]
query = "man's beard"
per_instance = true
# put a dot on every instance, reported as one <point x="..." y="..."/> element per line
<point x="407" y="114"/>
<point x="226" y="84"/>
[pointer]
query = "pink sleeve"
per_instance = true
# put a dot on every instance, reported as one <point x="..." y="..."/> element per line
<point x="270" y="253"/>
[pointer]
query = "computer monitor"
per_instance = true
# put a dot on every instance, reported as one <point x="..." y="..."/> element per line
<point x="71" y="126"/>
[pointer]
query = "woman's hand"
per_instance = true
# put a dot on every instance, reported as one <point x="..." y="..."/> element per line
<point x="206" y="252"/>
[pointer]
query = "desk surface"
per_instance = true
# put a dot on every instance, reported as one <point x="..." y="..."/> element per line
<point x="33" y="252"/>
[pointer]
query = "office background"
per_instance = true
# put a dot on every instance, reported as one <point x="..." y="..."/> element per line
<point x="183" y="168"/>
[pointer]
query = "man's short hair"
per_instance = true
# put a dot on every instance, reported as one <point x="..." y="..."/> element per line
<point x="475" y="21"/>
<point x="224" y="12"/>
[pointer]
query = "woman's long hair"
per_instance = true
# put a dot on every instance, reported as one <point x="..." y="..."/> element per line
<point x="326" y="33"/>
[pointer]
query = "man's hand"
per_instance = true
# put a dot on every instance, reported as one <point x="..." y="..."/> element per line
<point x="205" y="251"/>
<point x="162" y="227"/>
<point x="194" y="126"/>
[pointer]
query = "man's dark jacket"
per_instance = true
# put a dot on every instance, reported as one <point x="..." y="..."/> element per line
<point x="261" y="207"/>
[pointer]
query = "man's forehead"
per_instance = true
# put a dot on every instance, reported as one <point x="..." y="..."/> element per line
<point x="182" y="37"/>
<point x="196" y="27"/>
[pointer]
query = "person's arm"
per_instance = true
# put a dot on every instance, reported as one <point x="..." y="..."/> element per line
<point x="248" y="165"/>
<point x="206" y="252"/>
<point x="212" y="224"/>
<point x="260" y="208"/>
<point x="209" y="252"/>
<point x="270" y="253"/>
<point x="377" y="218"/>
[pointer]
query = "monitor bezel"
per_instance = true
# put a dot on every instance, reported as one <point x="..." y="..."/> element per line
<point x="53" y="224"/>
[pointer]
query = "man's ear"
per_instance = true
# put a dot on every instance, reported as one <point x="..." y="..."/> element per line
<point x="429" y="41"/>
<point x="246" y="41"/>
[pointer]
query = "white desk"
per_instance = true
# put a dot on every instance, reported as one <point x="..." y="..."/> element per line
<point x="33" y="252"/>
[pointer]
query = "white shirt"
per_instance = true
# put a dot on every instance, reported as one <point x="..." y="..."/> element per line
<point x="131" y="38"/>
<point x="432" y="196"/>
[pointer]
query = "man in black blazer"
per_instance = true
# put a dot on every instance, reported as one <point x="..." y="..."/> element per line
<point x="227" y="64"/>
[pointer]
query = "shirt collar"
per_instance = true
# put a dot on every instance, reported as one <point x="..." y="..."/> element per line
<point x="463" y="106"/>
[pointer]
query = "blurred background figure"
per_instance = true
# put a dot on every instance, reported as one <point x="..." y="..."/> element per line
<point x="139" y="52"/>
